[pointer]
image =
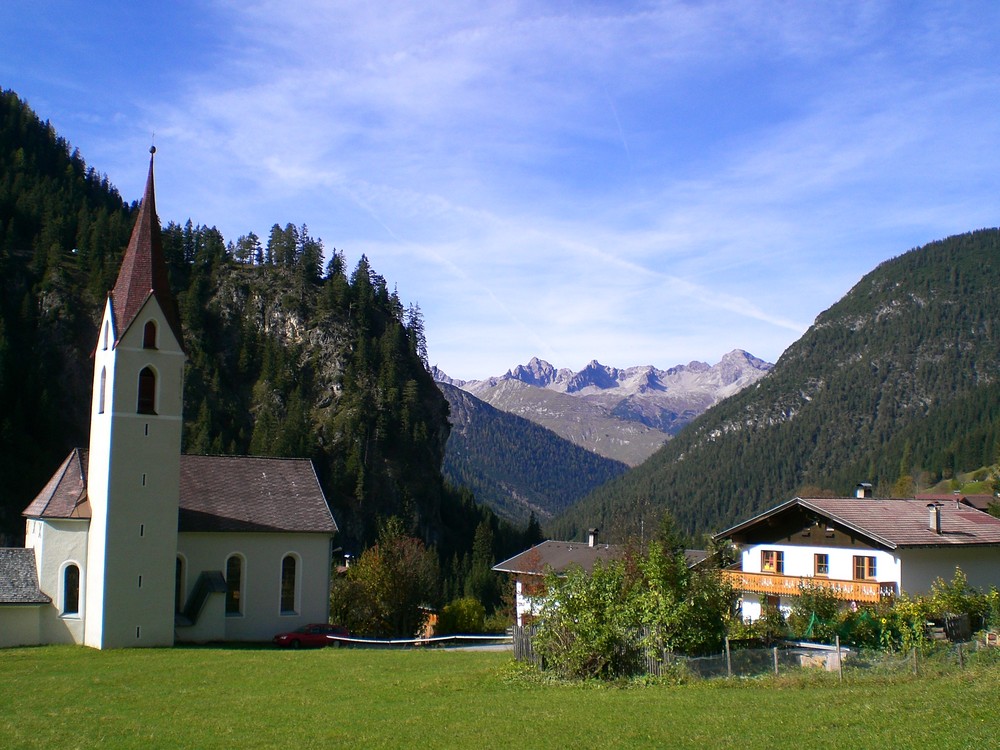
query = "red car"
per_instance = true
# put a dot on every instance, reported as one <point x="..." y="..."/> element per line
<point x="310" y="636"/>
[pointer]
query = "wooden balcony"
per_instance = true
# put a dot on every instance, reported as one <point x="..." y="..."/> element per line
<point x="867" y="592"/>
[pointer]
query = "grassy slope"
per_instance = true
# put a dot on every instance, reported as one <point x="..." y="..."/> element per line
<point x="74" y="697"/>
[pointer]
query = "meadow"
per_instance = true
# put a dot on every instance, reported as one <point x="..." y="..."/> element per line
<point x="73" y="697"/>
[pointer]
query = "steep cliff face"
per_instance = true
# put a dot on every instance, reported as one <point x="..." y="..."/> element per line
<point x="326" y="369"/>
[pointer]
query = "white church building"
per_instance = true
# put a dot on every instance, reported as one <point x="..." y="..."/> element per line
<point x="131" y="543"/>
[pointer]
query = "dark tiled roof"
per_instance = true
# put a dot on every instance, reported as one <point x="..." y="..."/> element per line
<point x="982" y="502"/>
<point x="19" y="577"/>
<point x="893" y="522"/>
<point x="246" y="493"/>
<point x="559" y="557"/>
<point x="65" y="495"/>
<point x="217" y="493"/>
<point x="143" y="270"/>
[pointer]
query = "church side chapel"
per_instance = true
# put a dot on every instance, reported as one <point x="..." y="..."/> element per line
<point x="131" y="543"/>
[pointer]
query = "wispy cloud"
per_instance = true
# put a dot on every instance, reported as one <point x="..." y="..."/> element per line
<point x="647" y="182"/>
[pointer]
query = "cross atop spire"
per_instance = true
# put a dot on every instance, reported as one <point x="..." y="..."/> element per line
<point x="143" y="270"/>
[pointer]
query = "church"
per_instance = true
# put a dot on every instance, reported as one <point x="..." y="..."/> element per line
<point x="132" y="543"/>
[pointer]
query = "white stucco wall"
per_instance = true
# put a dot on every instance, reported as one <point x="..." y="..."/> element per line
<point x="20" y="624"/>
<point x="261" y="617"/>
<point x="922" y="565"/>
<point x="133" y="480"/>
<point x="58" y="543"/>
<point x="799" y="561"/>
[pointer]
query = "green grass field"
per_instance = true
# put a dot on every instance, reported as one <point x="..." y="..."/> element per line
<point x="68" y="697"/>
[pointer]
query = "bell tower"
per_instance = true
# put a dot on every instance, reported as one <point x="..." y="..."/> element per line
<point x="135" y="441"/>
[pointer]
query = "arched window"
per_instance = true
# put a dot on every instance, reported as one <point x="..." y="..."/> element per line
<point x="179" y="585"/>
<point x="71" y="590"/>
<point x="288" y="585"/>
<point x="147" y="392"/>
<point x="100" y="395"/>
<point x="149" y="335"/>
<point x="107" y="333"/>
<point x="234" y="585"/>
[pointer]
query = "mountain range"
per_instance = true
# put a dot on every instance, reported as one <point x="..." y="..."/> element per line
<point x="624" y="414"/>
<point x="898" y="384"/>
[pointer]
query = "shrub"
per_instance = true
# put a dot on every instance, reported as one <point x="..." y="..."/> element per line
<point x="465" y="615"/>
<point x="815" y="614"/>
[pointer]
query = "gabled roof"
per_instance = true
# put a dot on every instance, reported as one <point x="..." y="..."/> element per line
<point x="19" y="577"/>
<point x="561" y="556"/>
<point x="143" y="272"/>
<point x="888" y="522"/>
<point x="217" y="493"/>
<point x="558" y="557"/>
<point x="65" y="495"/>
<point x="247" y="493"/>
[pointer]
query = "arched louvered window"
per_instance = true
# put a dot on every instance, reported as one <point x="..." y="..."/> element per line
<point x="149" y="335"/>
<point x="102" y="391"/>
<point x="147" y="392"/>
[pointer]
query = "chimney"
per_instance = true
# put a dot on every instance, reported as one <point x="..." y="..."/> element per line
<point x="934" y="518"/>
<point x="864" y="489"/>
<point x="592" y="537"/>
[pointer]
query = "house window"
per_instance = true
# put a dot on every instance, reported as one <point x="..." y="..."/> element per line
<point x="149" y="336"/>
<point x="100" y="394"/>
<point x="772" y="561"/>
<point x="71" y="590"/>
<point x="107" y="331"/>
<point x="288" y="585"/>
<point x="234" y="585"/>
<point x="147" y="392"/>
<point x="864" y="568"/>
<point x="821" y="565"/>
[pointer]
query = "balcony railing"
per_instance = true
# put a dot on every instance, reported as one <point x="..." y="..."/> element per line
<point x="869" y="592"/>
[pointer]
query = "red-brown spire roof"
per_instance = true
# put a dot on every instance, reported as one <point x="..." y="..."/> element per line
<point x="144" y="270"/>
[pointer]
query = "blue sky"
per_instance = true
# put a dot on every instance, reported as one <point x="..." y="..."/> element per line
<point x="638" y="183"/>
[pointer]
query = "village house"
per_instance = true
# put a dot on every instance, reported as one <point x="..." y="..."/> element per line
<point x="864" y="549"/>
<point x="131" y="543"/>
<point x="530" y="567"/>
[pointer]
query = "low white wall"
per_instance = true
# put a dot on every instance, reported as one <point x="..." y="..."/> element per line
<point x="19" y="624"/>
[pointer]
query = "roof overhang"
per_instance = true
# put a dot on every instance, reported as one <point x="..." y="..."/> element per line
<point x="798" y="502"/>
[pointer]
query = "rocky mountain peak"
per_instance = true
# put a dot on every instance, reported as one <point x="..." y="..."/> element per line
<point x="537" y="372"/>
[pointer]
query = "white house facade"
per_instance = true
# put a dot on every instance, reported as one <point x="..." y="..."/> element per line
<point x="864" y="549"/>
<point x="131" y="543"/>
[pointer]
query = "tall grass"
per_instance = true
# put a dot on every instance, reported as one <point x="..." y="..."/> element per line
<point x="63" y="697"/>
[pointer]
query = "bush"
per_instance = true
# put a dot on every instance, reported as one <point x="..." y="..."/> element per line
<point x="466" y="615"/>
<point x="599" y="624"/>
<point x="815" y="614"/>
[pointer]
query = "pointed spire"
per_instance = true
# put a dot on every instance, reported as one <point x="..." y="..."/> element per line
<point x="143" y="270"/>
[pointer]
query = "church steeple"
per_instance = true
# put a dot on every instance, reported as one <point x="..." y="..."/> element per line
<point x="133" y="469"/>
<point x="143" y="270"/>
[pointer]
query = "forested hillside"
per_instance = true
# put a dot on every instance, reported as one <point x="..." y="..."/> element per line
<point x="515" y="466"/>
<point x="286" y="356"/>
<point x="898" y="384"/>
